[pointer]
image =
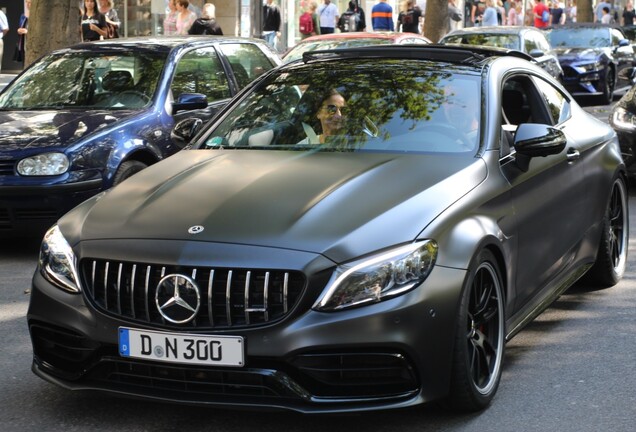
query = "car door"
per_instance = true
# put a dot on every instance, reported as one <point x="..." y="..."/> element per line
<point x="201" y="71"/>
<point x="548" y="197"/>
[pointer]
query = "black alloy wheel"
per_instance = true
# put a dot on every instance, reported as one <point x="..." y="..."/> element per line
<point x="480" y="339"/>
<point x="608" y="86"/>
<point x="611" y="259"/>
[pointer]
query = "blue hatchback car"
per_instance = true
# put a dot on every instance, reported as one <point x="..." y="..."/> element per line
<point x="81" y="120"/>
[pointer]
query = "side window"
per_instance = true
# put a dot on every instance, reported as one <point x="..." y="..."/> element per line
<point x="247" y="60"/>
<point x="542" y="42"/>
<point x="558" y="105"/>
<point x="201" y="71"/>
<point x="531" y="43"/>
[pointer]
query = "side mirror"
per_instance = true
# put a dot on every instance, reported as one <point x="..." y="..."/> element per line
<point x="623" y="42"/>
<point x="536" y="53"/>
<point x="537" y="140"/>
<point x="183" y="132"/>
<point x="189" y="101"/>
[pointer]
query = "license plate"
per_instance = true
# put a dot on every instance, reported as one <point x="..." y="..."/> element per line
<point x="181" y="348"/>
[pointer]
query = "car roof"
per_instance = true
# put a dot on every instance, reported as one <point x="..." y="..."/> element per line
<point x="161" y="43"/>
<point x="492" y="29"/>
<point x="459" y="54"/>
<point x="364" y="35"/>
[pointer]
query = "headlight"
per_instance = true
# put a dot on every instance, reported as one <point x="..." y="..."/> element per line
<point x="45" y="164"/>
<point x="621" y="119"/>
<point x="379" y="277"/>
<point x="57" y="261"/>
<point x="589" y="67"/>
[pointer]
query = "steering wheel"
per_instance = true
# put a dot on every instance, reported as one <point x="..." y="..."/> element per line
<point x="451" y="132"/>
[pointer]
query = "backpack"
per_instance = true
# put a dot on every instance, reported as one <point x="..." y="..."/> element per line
<point x="349" y="22"/>
<point x="306" y="24"/>
<point x="545" y="16"/>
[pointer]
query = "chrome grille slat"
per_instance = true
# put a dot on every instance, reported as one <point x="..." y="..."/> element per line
<point x="230" y="298"/>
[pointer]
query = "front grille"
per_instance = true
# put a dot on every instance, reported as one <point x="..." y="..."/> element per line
<point x="570" y="72"/>
<point x="229" y="298"/>
<point x="6" y="167"/>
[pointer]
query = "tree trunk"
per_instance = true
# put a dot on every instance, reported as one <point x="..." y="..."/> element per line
<point x="584" y="12"/>
<point x="53" y="24"/>
<point x="436" y="19"/>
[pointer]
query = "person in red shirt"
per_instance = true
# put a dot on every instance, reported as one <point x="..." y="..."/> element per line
<point x="538" y="12"/>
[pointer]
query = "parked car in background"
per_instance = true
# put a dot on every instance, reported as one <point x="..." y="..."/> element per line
<point x="525" y="39"/>
<point x="349" y="40"/>
<point x="362" y="229"/>
<point x="84" y="118"/>
<point x="623" y="120"/>
<point x="592" y="57"/>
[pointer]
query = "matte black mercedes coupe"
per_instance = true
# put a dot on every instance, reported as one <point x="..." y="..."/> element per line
<point x="361" y="229"/>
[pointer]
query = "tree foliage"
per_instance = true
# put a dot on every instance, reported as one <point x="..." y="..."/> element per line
<point x="53" y="24"/>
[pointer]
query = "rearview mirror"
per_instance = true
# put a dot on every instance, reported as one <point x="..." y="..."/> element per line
<point x="190" y="101"/>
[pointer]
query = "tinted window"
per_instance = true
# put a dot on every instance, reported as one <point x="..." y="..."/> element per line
<point x="200" y="71"/>
<point x="511" y="41"/>
<point x="557" y="104"/>
<point x="579" y="37"/>
<point x="247" y="61"/>
<point x="86" y="79"/>
<point x="364" y="105"/>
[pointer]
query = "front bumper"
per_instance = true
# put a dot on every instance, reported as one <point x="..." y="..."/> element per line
<point x="30" y="210"/>
<point x="393" y="354"/>
<point x="589" y="83"/>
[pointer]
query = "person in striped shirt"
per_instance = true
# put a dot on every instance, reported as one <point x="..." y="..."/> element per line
<point x="382" y="17"/>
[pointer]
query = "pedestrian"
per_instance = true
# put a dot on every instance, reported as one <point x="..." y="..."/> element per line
<point x="313" y="28"/>
<point x="93" y="23"/>
<point x="382" y="16"/>
<point x="329" y="16"/>
<point x="538" y="14"/>
<point x="185" y="17"/>
<point x="598" y="11"/>
<point x="490" y="14"/>
<point x="206" y="25"/>
<point x="170" y="20"/>
<point x="4" y="29"/>
<point x="454" y="16"/>
<point x="502" y="18"/>
<point x="477" y="12"/>
<point x="606" y="18"/>
<point x="573" y="11"/>
<point x="353" y="19"/>
<point x="408" y="21"/>
<point x="556" y="14"/>
<point x="628" y="14"/>
<point x="271" y="23"/>
<point x="23" y="25"/>
<point x="113" y="24"/>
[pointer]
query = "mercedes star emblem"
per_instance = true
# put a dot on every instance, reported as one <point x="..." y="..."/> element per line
<point x="195" y="229"/>
<point x="177" y="298"/>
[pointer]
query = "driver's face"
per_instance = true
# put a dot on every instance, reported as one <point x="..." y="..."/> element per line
<point x="331" y="114"/>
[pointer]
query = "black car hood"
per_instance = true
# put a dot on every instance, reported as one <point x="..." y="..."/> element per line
<point x="337" y="204"/>
<point x="578" y="54"/>
<point x="51" y="129"/>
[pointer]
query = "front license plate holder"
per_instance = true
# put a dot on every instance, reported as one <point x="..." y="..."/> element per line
<point x="182" y="348"/>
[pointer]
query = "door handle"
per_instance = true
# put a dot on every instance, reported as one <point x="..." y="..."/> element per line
<point x="573" y="155"/>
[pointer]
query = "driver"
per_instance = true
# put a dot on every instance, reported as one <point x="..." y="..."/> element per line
<point x="331" y="114"/>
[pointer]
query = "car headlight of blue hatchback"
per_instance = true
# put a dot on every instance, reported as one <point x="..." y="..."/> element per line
<point x="57" y="261"/>
<point x="379" y="277"/>
<point x="45" y="164"/>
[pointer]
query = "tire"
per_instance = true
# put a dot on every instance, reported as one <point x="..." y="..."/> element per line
<point x="611" y="259"/>
<point x="480" y="337"/>
<point x="127" y="169"/>
<point x="608" y="87"/>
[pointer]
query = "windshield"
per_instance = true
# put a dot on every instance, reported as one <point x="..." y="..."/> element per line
<point x="495" y="40"/>
<point x="363" y="105"/>
<point x="122" y="80"/>
<point x="330" y="44"/>
<point x="579" y="37"/>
